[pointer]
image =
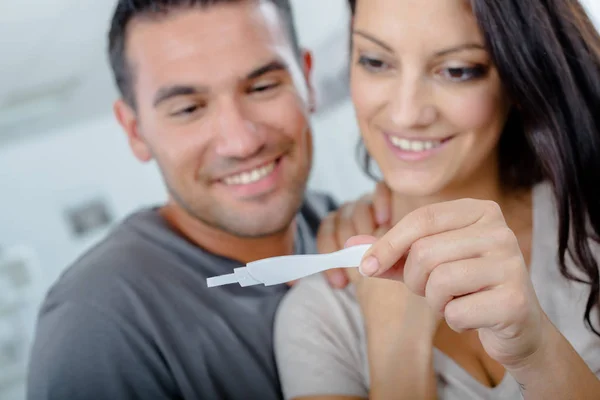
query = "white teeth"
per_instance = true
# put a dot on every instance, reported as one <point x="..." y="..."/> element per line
<point x="250" y="176"/>
<point x="414" y="145"/>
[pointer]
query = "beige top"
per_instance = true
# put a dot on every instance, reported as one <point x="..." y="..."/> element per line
<point x="320" y="338"/>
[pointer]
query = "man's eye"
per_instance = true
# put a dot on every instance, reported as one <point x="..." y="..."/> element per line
<point x="191" y="109"/>
<point x="372" y="64"/>
<point x="263" y="87"/>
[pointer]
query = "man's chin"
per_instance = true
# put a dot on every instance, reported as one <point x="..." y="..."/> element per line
<point x="254" y="228"/>
<point x="255" y="218"/>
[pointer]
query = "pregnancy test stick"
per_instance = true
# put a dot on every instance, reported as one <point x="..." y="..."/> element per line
<point x="277" y="270"/>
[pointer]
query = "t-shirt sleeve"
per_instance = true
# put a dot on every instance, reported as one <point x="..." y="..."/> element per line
<point x="81" y="353"/>
<point x="316" y="351"/>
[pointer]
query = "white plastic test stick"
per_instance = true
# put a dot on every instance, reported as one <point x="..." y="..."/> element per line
<point x="278" y="270"/>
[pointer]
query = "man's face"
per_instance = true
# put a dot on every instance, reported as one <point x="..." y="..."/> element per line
<point x="220" y="110"/>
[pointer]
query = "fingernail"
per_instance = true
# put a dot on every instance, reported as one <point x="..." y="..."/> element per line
<point x="369" y="266"/>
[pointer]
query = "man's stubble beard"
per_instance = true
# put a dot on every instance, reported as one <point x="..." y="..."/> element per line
<point x="217" y="217"/>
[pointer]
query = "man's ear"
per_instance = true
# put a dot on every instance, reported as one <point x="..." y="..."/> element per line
<point x="127" y="118"/>
<point x="307" y="61"/>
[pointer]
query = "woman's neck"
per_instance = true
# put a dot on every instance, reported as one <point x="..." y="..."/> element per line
<point x="516" y="205"/>
<point x="484" y="189"/>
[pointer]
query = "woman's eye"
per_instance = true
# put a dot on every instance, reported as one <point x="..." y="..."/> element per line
<point x="462" y="74"/>
<point x="372" y="64"/>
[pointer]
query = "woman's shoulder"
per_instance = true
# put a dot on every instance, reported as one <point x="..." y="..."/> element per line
<point x="314" y="293"/>
<point x="319" y="341"/>
<point x="313" y="304"/>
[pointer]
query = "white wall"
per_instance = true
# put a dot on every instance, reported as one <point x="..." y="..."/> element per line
<point x="41" y="178"/>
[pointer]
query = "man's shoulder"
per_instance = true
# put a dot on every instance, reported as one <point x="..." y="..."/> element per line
<point x="115" y="264"/>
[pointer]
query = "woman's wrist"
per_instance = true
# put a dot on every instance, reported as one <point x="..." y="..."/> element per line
<point x="548" y="340"/>
<point x="538" y="366"/>
<point x="401" y="360"/>
<point x="555" y="370"/>
<point x="392" y="315"/>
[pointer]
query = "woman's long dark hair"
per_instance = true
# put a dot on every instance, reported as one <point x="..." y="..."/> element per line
<point x="547" y="53"/>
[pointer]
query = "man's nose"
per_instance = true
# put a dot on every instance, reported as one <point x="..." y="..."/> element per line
<point x="238" y="135"/>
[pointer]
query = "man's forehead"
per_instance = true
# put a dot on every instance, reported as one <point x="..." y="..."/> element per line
<point x="239" y="34"/>
<point x="208" y="29"/>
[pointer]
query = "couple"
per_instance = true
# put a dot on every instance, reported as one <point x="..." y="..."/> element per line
<point x="482" y="283"/>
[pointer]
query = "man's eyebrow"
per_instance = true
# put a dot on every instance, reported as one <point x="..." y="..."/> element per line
<point x="274" y="65"/>
<point x="462" y="47"/>
<point x="169" y="92"/>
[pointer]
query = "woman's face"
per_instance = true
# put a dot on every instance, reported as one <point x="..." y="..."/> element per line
<point x="428" y="99"/>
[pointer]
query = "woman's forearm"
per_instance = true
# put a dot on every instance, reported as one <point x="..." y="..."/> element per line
<point x="402" y="368"/>
<point x="556" y="371"/>
<point x="400" y="349"/>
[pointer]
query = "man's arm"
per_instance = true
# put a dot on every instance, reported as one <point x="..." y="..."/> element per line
<point x="81" y="352"/>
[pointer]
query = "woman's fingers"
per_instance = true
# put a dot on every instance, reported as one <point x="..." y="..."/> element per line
<point x="327" y="237"/>
<point x="461" y="278"/>
<point x="356" y="219"/>
<point x="427" y="253"/>
<point x="423" y="222"/>
<point x="485" y="309"/>
<point x="327" y="242"/>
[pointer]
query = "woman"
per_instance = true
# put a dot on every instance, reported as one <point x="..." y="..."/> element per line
<point x="484" y="120"/>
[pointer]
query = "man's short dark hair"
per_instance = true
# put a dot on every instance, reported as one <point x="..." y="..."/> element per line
<point x="128" y="10"/>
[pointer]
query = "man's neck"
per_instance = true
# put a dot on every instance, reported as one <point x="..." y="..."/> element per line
<point x="225" y="244"/>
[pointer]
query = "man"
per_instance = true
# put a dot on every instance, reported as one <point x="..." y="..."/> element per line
<point x="216" y="93"/>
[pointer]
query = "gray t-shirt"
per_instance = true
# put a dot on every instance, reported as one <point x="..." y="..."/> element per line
<point x="320" y="342"/>
<point x="133" y="319"/>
